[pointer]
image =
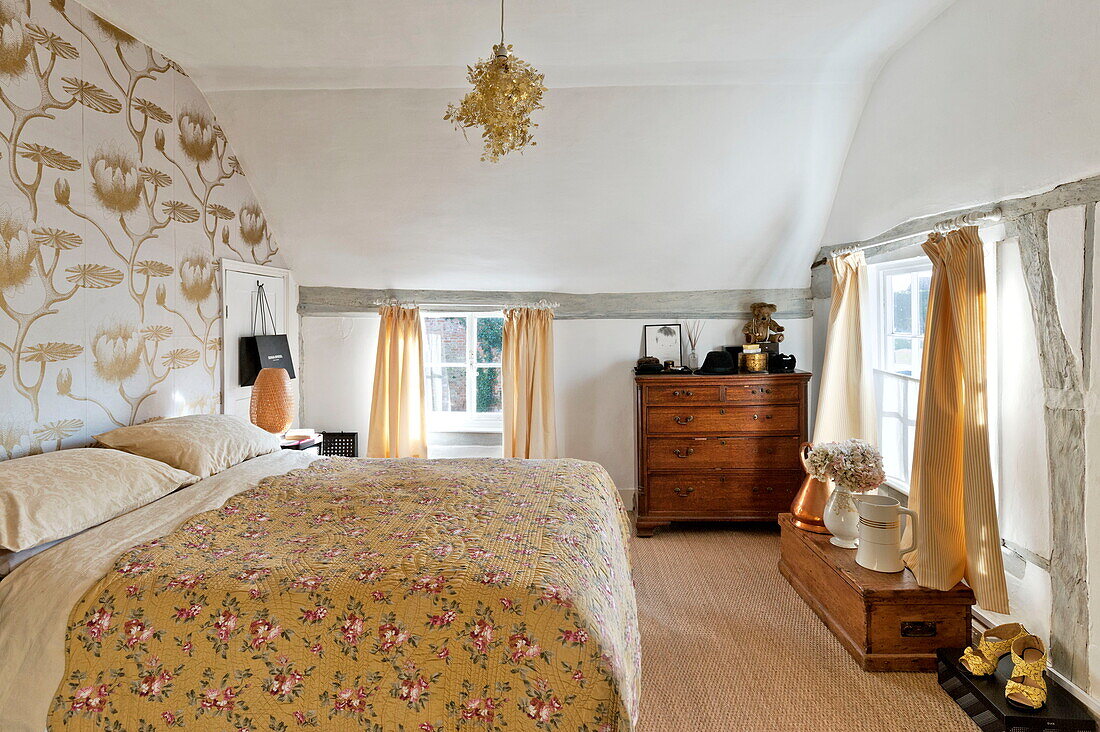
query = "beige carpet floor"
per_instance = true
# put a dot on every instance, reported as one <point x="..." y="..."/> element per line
<point x="727" y="645"/>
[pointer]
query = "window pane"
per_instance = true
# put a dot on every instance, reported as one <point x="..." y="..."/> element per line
<point x="924" y="284"/>
<point x="893" y="439"/>
<point x="447" y="388"/>
<point x="446" y="340"/>
<point x="897" y="401"/>
<point x="490" y="336"/>
<point x="902" y="355"/>
<point x="902" y="302"/>
<point x="488" y="390"/>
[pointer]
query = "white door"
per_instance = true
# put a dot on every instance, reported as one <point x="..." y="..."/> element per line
<point x="239" y="299"/>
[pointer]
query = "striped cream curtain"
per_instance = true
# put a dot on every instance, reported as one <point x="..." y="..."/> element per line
<point x="846" y="397"/>
<point x="527" y="375"/>
<point x="952" y="484"/>
<point x="397" y="423"/>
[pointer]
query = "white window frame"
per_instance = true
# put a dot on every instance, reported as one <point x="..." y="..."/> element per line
<point x="881" y="315"/>
<point x="884" y="310"/>
<point x="471" y="420"/>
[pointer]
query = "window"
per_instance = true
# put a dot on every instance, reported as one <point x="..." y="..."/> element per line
<point x="462" y="371"/>
<point x="900" y="306"/>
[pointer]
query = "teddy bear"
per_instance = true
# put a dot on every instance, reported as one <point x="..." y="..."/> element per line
<point x="759" y="329"/>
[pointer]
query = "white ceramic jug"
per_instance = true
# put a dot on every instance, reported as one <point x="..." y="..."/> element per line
<point x="880" y="533"/>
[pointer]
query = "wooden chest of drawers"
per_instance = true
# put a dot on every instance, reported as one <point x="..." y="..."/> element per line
<point x="721" y="448"/>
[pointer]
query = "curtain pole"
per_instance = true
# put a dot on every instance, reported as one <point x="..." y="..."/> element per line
<point x="957" y="222"/>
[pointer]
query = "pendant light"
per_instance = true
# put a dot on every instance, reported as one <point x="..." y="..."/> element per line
<point x="506" y="90"/>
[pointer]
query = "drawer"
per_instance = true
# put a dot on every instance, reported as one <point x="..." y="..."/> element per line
<point x="749" y="418"/>
<point x="685" y="453"/>
<point x="917" y="628"/>
<point x="761" y="491"/>
<point x="682" y="394"/>
<point x="764" y="391"/>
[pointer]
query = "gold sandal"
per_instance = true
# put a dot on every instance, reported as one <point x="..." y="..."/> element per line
<point x="1027" y="687"/>
<point x="993" y="644"/>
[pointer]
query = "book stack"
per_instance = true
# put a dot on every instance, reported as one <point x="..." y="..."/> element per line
<point x="300" y="438"/>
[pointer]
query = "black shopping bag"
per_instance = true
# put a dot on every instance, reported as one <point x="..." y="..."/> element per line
<point x="262" y="351"/>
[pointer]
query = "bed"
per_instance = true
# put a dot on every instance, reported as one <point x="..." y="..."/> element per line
<point x="290" y="592"/>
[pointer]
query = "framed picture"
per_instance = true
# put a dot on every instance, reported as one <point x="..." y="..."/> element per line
<point x="662" y="341"/>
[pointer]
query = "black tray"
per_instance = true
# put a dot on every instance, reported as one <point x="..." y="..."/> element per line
<point x="983" y="699"/>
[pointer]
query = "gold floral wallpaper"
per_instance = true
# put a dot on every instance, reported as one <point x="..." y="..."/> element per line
<point x="120" y="195"/>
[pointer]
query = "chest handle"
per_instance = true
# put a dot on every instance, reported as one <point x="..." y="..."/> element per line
<point x="683" y="420"/>
<point x="683" y="454"/>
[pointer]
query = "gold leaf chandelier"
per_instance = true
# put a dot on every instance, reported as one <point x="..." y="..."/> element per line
<point x="506" y="91"/>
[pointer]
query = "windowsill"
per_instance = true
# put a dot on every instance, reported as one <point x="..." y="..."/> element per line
<point x="897" y="485"/>
<point x="896" y="490"/>
<point x="481" y="429"/>
<point x="895" y="374"/>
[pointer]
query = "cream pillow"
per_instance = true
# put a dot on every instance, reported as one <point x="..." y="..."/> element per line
<point x="203" y="444"/>
<point x="56" y="494"/>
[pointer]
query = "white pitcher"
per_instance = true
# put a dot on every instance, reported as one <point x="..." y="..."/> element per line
<point x="880" y="533"/>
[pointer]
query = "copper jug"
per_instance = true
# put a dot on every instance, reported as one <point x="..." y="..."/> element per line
<point x="808" y="506"/>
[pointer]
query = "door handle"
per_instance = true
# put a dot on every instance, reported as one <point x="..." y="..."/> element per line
<point x="684" y="454"/>
<point x="683" y="420"/>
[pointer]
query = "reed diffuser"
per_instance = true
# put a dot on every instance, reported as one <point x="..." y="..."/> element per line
<point x="694" y="329"/>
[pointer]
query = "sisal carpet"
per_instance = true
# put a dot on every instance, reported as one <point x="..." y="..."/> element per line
<point x="728" y="646"/>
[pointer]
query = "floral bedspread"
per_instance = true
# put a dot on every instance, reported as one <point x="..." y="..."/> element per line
<point x="371" y="594"/>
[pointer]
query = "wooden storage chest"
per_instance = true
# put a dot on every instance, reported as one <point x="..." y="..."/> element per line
<point x="885" y="621"/>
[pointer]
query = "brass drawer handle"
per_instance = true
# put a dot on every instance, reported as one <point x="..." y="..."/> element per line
<point x="683" y="420"/>
<point x="684" y="454"/>
<point x="766" y="489"/>
<point x="683" y="393"/>
<point x="683" y="492"/>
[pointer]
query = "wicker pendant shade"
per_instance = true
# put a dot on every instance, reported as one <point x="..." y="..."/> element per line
<point x="272" y="405"/>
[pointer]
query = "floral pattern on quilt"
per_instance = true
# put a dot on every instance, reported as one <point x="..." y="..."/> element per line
<point x="407" y="595"/>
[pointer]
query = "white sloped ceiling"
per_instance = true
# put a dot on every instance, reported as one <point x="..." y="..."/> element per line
<point x="683" y="145"/>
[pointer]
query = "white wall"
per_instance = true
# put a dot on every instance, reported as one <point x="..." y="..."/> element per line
<point x="994" y="98"/>
<point x="1019" y="443"/>
<point x="592" y="371"/>
<point x="337" y="373"/>
<point x="595" y="386"/>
